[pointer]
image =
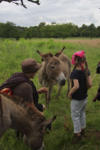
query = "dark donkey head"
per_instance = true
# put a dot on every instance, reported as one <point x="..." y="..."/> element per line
<point x="35" y="138"/>
<point x="32" y="125"/>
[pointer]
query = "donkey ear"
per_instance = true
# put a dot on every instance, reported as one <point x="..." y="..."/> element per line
<point x="47" y="57"/>
<point x="60" y="52"/>
<point x="39" y="53"/>
<point x="47" y="124"/>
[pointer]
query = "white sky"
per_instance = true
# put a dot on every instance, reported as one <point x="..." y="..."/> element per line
<point x="60" y="11"/>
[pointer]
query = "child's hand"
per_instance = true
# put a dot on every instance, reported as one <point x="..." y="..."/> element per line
<point x="43" y="90"/>
<point x="69" y="95"/>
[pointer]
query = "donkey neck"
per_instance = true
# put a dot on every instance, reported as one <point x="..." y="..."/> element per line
<point x="18" y="116"/>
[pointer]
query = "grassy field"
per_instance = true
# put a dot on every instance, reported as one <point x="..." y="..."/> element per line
<point x="13" y="52"/>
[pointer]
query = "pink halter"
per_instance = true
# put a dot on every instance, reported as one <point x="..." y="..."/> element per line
<point x="78" y="53"/>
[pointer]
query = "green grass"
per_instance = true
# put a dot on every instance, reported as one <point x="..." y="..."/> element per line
<point x="13" y="52"/>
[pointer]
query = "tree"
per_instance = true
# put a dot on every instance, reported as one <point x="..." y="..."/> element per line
<point x="84" y="31"/>
<point x="92" y="30"/>
<point x="98" y="31"/>
<point x="15" y="2"/>
<point x="42" y="24"/>
<point x="10" y="30"/>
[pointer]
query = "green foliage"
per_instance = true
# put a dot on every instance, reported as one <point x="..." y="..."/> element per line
<point x="13" y="52"/>
<point x="10" y="30"/>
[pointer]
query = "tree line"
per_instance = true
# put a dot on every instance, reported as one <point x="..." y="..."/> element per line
<point x="10" y="30"/>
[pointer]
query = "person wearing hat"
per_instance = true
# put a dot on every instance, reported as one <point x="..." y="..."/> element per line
<point x="80" y="82"/>
<point x="21" y="85"/>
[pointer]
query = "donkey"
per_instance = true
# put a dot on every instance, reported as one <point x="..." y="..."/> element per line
<point x="15" y="2"/>
<point x="16" y="117"/>
<point x="55" y="69"/>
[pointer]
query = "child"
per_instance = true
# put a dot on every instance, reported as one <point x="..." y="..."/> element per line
<point x="21" y="85"/>
<point x="81" y="81"/>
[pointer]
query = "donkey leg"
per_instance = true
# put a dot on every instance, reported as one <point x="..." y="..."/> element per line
<point x="19" y="135"/>
<point x="42" y="147"/>
<point x="68" y="83"/>
<point x="3" y="130"/>
<point x="4" y="127"/>
<point x="48" y="98"/>
<point x="59" y="91"/>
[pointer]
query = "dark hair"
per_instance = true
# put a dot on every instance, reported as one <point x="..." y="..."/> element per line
<point x="79" y="61"/>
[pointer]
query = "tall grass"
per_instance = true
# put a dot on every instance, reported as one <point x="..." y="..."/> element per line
<point x="13" y="52"/>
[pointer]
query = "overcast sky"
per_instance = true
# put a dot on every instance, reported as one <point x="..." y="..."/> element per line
<point x="60" y="11"/>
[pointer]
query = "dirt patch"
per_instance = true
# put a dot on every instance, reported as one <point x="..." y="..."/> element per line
<point x="93" y="133"/>
<point x="89" y="42"/>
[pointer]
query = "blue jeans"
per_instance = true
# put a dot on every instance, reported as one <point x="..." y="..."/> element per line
<point x="78" y="114"/>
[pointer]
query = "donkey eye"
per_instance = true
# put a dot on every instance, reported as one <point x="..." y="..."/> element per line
<point x="56" y="63"/>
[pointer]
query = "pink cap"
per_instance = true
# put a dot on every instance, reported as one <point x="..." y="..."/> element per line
<point x="78" y="53"/>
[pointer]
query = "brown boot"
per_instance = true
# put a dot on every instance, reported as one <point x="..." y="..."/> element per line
<point x="83" y="133"/>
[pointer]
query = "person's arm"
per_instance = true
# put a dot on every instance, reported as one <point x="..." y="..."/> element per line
<point x="74" y="88"/>
<point x="88" y="79"/>
<point x="89" y="82"/>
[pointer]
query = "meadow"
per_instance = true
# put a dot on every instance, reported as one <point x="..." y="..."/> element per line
<point x="13" y="52"/>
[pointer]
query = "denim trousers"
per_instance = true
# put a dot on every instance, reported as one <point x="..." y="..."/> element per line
<point x="78" y="114"/>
